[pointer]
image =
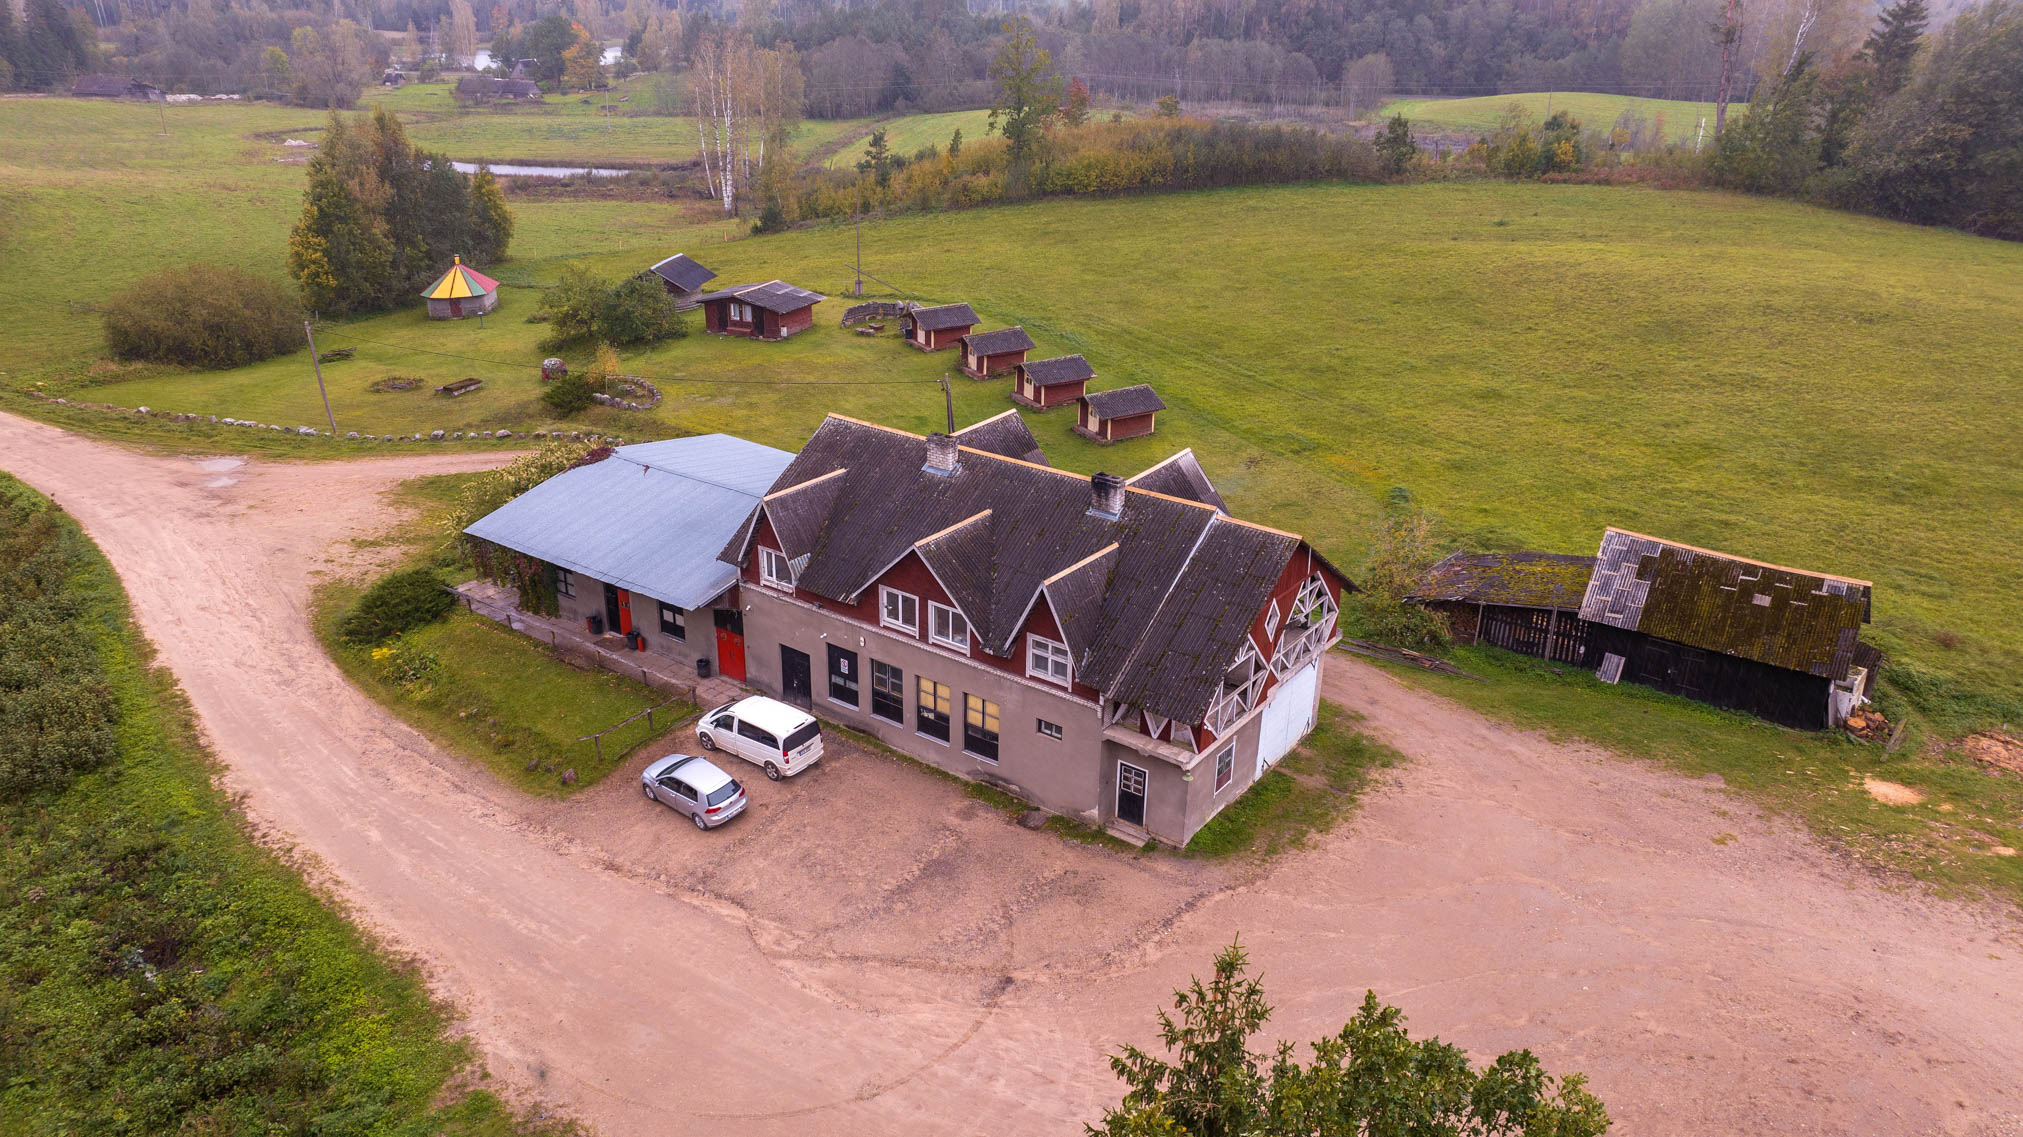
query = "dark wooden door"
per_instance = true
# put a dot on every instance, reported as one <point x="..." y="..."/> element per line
<point x="796" y="679"/>
<point x="730" y="644"/>
<point x="1130" y="794"/>
<point x="612" y="608"/>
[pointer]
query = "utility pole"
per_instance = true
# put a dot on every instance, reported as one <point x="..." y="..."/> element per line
<point x="947" y="399"/>
<point x="860" y="254"/>
<point x="317" y="362"/>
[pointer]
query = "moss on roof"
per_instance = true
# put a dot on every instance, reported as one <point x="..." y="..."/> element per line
<point x="1521" y="580"/>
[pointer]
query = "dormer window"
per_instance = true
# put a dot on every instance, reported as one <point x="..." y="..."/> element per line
<point x="775" y="569"/>
<point x="947" y="627"/>
<point x="1049" y="660"/>
<point x="899" y="610"/>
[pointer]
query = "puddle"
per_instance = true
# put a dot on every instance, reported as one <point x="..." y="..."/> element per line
<point x="225" y="470"/>
<point x="542" y="171"/>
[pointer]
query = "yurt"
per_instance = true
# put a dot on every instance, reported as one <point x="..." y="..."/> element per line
<point x="462" y="291"/>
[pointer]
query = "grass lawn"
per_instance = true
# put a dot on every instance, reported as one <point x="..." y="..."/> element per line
<point x="911" y="133"/>
<point x="1305" y="794"/>
<point x="1945" y="840"/>
<point x="1595" y="112"/>
<point x="162" y="972"/>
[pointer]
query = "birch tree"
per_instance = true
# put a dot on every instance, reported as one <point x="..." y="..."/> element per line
<point x="745" y="99"/>
<point x="463" y="38"/>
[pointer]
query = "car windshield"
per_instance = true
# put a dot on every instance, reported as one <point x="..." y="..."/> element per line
<point x="804" y="735"/>
<point x="724" y="793"/>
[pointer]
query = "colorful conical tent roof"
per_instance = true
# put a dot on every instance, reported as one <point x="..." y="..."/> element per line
<point x="461" y="282"/>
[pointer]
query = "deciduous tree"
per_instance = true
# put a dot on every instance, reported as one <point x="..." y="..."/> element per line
<point x="1028" y="91"/>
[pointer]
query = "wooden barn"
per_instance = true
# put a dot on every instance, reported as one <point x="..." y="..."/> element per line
<point x="1779" y="643"/>
<point x="115" y="87"/>
<point x="942" y="326"/>
<point x="985" y="354"/>
<point x="462" y="291"/>
<point x="770" y="311"/>
<point x="684" y="279"/>
<point x="1046" y="383"/>
<point x="1112" y="416"/>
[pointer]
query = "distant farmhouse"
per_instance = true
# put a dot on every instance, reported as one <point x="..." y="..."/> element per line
<point x="116" y="87"/>
<point x="684" y="279"/>
<point x="770" y="311"/>
<point x="485" y="89"/>
<point x="1779" y="643"/>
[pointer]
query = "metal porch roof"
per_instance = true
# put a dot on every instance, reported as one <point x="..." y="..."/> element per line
<point x="650" y="518"/>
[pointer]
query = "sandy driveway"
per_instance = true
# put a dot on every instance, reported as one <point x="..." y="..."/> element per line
<point x="1505" y="891"/>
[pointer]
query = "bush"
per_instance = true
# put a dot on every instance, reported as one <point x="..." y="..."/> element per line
<point x="584" y="307"/>
<point x="568" y="395"/>
<point x="398" y="603"/>
<point x="203" y="316"/>
<point x="56" y="714"/>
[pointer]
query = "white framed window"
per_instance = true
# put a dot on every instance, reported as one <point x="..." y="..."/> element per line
<point x="741" y="312"/>
<point x="947" y="627"/>
<point x="1050" y="729"/>
<point x="1048" y="660"/>
<point x="1271" y="618"/>
<point x="775" y="569"/>
<point x="565" y="582"/>
<point x="899" y="610"/>
<point x="1225" y="767"/>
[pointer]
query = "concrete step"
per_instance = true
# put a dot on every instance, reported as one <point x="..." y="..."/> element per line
<point x="1128" y="833"/>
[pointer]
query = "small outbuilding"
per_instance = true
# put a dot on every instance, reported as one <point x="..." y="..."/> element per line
<point x="985" y="354"/>
<point x="938" y="327"/>
<point x="1046" y="383"/>
<point x="1522" y="602"/>
<point x="116" y="87"/>
<point x="770" y="311"/>
<point x="684" y="278"/>
<point x="485" y="88"/>
<point x="1112" y="416"/>
<point x="462" y="291"/>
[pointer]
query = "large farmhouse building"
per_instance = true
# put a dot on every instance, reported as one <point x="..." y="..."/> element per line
<point x="1129" y="655"/>
<point x="770" y="311"/>
<point x="1779" y="643"/>
<point x="628" y="543"/>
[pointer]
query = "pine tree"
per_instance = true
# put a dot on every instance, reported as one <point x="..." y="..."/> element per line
<point x="1894" y="43"/>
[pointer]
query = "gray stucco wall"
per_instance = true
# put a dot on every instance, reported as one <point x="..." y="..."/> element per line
<point x="700" y="623"/>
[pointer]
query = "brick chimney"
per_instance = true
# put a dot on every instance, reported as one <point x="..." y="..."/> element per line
<point x="1106" y="496"/>
<point x="941" y="454"/>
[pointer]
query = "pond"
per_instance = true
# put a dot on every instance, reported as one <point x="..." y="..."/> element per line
<point x="541" y="171"/>
<point x="611" y="54"/>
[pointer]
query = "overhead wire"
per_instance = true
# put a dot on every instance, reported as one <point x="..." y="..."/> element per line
<point x="655" y="379"/>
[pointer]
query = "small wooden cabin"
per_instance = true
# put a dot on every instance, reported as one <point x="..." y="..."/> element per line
<point x="1778" y="643"/>
<point x="462" y="291"/>
<point x="684" y="279"/>
<point x="985" y="354"/>
<point x="770" y="311"/>
<point x="939" y="327"/>
<point x="1046" y="383"/>
<point x="1112" y="416"/>
<point x="115" y="87"/>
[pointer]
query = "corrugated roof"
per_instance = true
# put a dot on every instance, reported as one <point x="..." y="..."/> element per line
<point x="944" y="316"/>
<point x="683" y="272"/>
<point x="996" y="531"/>
<point x="1005" y="434"/>
<point x="1179" y="476"/>
<point x="1125" y="401"/>
<point x="1780" y="616"/>
<point x="1517" y="580"/>
<point x="773" y="296"/>
<point x="1060" y="369"/>
<point x="999" y="341"/>
<point x="650" y="518"/>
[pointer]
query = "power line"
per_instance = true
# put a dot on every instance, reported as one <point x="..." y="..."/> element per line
<point x="655" y="379"/>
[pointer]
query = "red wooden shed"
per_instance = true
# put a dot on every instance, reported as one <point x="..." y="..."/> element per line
<point x="770" y="311"/>
<point x="1045" y="383"/>
<point x="1112" y="416"/>
<point x="986" y="353"/>
<point x="942" y="326"/>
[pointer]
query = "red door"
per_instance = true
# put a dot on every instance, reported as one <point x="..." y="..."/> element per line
<point x="730" y="644"/>
<point x="624" y="613"/>
<point x="456" y="309"/>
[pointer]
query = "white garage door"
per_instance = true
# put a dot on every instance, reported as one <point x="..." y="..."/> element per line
<point x="1288" y="716"/>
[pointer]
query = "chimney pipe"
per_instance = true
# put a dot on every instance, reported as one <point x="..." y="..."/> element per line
<point x="1106" y="496"/>
<point x="941" y="454"/>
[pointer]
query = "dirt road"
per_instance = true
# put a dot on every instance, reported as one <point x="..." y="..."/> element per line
<point x="1504" y="890"/>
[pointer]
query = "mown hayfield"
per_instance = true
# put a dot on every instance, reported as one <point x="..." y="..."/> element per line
<point x="1596" y="112"/>
<point x="910" y="134"/>
<point x="1529" y="362"/>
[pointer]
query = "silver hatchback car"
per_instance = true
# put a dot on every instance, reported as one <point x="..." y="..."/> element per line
<point x="695" y="786"/>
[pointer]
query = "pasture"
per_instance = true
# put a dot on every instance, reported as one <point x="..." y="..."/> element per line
<point x="1528" y="362"/>
<point x="908" y="135"/>
<point x="1596" y="112"/>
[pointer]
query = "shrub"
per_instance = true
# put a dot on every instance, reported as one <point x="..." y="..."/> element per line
<point x="397" y="603"/>
<point x="584" y="307"/>
<point x="56" y="712"/>
<point x="203" y="316"/>
<point x="568" y="395"/>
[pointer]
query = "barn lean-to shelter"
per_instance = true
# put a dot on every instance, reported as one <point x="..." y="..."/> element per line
<point x="462" y="291"/>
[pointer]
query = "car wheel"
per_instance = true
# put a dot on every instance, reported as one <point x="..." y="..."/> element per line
<point x="699" y="822"/>
<point x="649" y="791"/>
<point x="708" y="743"/>
<point x="772" y="772"/>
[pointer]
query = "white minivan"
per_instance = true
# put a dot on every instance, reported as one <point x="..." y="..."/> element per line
<point x="765" y="732"/>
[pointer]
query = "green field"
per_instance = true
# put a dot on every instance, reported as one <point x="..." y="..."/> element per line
<point x="1595" y="112"/>
<point x="908" y="135"/>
